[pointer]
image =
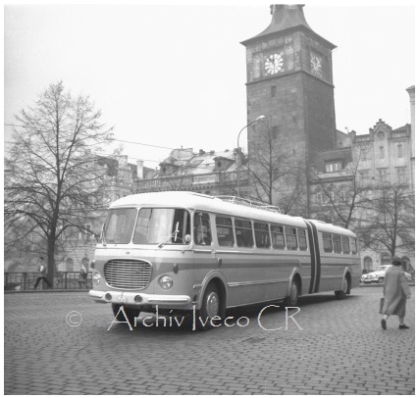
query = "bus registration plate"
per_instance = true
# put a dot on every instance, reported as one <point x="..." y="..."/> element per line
<point x="122" y="299"/>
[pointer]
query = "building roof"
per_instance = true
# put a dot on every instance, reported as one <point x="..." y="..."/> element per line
<point x="287" y="17"/>
<point x="199" y="163"/>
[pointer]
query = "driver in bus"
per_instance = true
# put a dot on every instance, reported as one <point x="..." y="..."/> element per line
<point x="201" y="235"/>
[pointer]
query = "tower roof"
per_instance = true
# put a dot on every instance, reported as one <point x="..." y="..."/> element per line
<point x="286" y="17"/>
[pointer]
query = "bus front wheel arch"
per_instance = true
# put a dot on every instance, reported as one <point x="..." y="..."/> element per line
<point x="212" y="305"/>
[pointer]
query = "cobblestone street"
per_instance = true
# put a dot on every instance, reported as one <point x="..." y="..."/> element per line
<point x="59" y="343"/>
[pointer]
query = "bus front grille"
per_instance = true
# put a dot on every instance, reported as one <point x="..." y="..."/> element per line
<point x="128" y="274"/>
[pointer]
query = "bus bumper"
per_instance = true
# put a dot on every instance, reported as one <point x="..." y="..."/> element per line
<point x="140" y="299"/>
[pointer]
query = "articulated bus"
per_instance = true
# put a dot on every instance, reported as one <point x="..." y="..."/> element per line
<point x="184" y="251"/>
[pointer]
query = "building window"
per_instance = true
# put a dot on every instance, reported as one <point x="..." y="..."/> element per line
<point x="382" y="174"/>
<point x="319" y="197"/>
<point x="273" y="91"/>
<point x="367" y="264"/>
<point x="364" y="155"/>
<point x="381" y="152"/>
<point x="364" y="178"/>
<point x="401" y="175"/>
<point x="400" y="151"/>
<point x="331" y="167"/>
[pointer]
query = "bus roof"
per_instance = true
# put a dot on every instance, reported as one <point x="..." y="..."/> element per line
<point x="212" y="204"/>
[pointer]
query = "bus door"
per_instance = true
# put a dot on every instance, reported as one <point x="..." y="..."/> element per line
<point x="203" y="246"/>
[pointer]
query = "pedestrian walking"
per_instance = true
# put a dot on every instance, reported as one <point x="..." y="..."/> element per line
<point x="396" y="293"/>
<point x="82" y="276"/>
<point x="43" y="272"/>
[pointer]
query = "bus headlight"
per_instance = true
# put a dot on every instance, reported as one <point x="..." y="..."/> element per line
<point x="96" y="278"/>
<point x="166" y="282"/>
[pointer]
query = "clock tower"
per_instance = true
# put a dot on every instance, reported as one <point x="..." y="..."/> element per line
<point x="290" y="82"/>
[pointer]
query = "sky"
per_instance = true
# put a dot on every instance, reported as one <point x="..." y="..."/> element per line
<point x="172" y="75"/>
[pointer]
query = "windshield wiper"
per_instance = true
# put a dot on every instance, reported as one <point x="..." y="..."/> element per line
<point x="173" y="234"/>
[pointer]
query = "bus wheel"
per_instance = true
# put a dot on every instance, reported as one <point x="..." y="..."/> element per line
<point x="210" y="307"/>
<point x="293" y="298"/>
<point x="131" y="314"/>
<point x="340" y="294"/>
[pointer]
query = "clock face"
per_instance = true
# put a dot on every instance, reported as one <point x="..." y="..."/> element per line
<point x="274" y="63"/>
<point x="316" y="65"/>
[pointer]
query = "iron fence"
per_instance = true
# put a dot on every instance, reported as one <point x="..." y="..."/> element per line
<point x="62" y="280"/>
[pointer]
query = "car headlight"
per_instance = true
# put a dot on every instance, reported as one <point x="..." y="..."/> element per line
<point x="96" y="278"/>
<point x="166" y="282"/>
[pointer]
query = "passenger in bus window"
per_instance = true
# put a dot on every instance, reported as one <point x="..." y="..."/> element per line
<point x="291" y="238"/>
<point x="327" y="241"/>
<point x="202" y="233"/>
<point x="224" y="231"/>
<point x="302" y="240"/>
<point x="240" y="241"/>
<point x="277" y="237"/>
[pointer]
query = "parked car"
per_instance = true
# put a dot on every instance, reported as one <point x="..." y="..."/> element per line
<point x="378" y="276"/>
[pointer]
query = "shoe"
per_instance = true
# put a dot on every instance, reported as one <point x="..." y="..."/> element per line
<point x="383" y="324"/>
<point x="404" y="327"/>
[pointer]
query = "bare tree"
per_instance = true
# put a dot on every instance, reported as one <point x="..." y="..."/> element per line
<point x="276" y="175"/>
<point x="54" y="184"/>
<point x="339" y="197"/>
<point x="390" y="222"/>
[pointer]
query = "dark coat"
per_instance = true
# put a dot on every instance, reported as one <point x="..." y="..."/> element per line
<point x="396" y="291"/>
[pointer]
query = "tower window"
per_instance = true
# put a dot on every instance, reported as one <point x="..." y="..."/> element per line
<point x="273" y="91"/>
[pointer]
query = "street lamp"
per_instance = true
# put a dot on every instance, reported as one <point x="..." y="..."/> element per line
<point x="238" y="160"/>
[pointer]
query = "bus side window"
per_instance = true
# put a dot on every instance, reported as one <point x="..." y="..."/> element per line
<point x="337" y="243"/>
<point x="277" y="237"/>
<point x="346" y="245"/>
<point x="327" y="240"/>
<point x="202" y="231"/>
<point x="243" y="231"/>
<point x="303" y="245"/>
<point x="262" y="236"/>
<point x="291" y="238"/>
<point x="224" y="231"/>
<point x="353" y="246"/>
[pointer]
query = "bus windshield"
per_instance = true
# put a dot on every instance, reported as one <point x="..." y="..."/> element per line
<point x="162" y="226"/>
<point x="119" y="225"/>
<point x="153" y="226"/>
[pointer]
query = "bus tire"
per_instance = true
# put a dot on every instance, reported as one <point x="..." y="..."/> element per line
<point x="293" y="298"/>
<point x="211" y="306"/>
<point x="131" y="314"/>
<point x="341" y="294"/>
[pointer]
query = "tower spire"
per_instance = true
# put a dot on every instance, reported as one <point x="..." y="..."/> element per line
<point x="287" y="18"/>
